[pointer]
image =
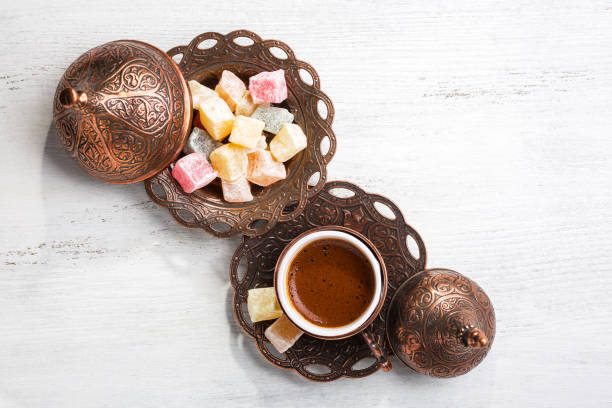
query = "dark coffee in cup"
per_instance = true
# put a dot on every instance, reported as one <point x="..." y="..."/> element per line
<point x="330" y="282"/>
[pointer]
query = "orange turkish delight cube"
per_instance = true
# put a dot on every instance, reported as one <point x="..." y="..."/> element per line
<point x="283" y="334"/>
<point x="264" y="169"/>
<point x="230" y="88"/>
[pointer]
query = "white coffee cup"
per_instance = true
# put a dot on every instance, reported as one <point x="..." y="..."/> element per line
<point x="356" y="241"/>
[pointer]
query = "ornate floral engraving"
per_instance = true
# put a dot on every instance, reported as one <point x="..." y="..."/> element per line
<point x="69" y="127"/>
<point x="144" y="113"/>
<point x="431" y="312"/>
<point x="134" y="76"/>
<point x="134" y="119"/>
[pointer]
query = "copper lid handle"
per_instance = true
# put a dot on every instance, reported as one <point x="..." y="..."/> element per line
<point x="71" y="98"/>
<point x="473" y="337"/>
<point x="377" y="351"/>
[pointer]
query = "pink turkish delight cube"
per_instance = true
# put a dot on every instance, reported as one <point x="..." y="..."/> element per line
<point x="238" y="191"/>
<point x="268" y="87"/>
<point x="193" y="172"/>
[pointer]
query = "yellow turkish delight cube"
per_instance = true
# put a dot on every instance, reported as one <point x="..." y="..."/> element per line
<point x="283" y="334"/>
<point x="230" y="161"/>
<point x="245" y="106"/>
<point x="216" y="117"/>
<point x="246" y="131"/>
<point x="199" y="92"/>
<point x="262" y="144"/>
<point x="230" y="88"/>
<point x="288" y="142"/>
<point x="262" y="304"/>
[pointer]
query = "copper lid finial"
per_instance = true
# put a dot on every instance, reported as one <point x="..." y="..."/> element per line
<point x="473" y="337"/>
<point x="70" y="98"/>
<point x="440" y="323"/>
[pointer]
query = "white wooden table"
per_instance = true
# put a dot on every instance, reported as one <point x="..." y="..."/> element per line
<point x="489" y="123"/>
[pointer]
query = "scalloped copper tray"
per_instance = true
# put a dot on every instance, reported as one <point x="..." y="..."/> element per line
<point x="315" y="359"/>
<point x="282" y="201"/>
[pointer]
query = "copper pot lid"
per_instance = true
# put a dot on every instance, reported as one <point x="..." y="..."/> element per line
<point x="440" y="323"/>
<point x="123" y="111"/>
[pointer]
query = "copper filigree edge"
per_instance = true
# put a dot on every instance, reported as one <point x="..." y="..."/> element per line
<point x="282" y="201"/>
<point x="357" y="212"/>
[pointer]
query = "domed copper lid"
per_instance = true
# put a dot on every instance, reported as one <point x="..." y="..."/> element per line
<point x="123" y="111"/>
<point x="440" y="323"/>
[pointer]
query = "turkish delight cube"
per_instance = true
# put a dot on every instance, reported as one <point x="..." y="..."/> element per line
<point x="199" y="92"/>
<point x="231" y="161"/>
<point x="246" y="131"/>
<point x="245" y="106"/>
<point x="283" y="334"/>
<point x="263" y="169"/>
<point x="193" y="172"/>
<point x="273" y="117"/>
<point x="237" y="191"/>
<point x="230" y="88"/>
<point x="288" y="142"/>
<point x="262" y="144"/>
<point x="262" y="304"/>
<point x="216" y="117"/>
<point x="267" y="87"/>
<point x="199" y="141"/>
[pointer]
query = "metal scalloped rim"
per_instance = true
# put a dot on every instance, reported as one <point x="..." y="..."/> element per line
<point x="194" y="211"/>
<point x="241" y="286"/>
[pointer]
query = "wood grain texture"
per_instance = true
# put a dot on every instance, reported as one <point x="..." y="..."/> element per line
<point x="488" y="122"/>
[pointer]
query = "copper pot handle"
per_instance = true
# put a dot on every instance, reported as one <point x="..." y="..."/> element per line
<point x="473" y="337"/>
<point x="378" y="352"/>
<point x="71" y="98"/>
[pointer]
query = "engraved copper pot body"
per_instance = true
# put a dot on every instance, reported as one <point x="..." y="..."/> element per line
<point x="440" y="323"/>
<point x="123" y="110"/>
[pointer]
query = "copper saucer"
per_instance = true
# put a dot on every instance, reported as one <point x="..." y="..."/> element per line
<point x="245" y="53"/>
<point x="315" y="359"/>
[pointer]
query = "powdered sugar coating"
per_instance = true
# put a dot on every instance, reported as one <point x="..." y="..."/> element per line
<point x="268" y="87"/>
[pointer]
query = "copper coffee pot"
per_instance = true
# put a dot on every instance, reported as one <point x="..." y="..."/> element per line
<point x="440" y="323"/>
